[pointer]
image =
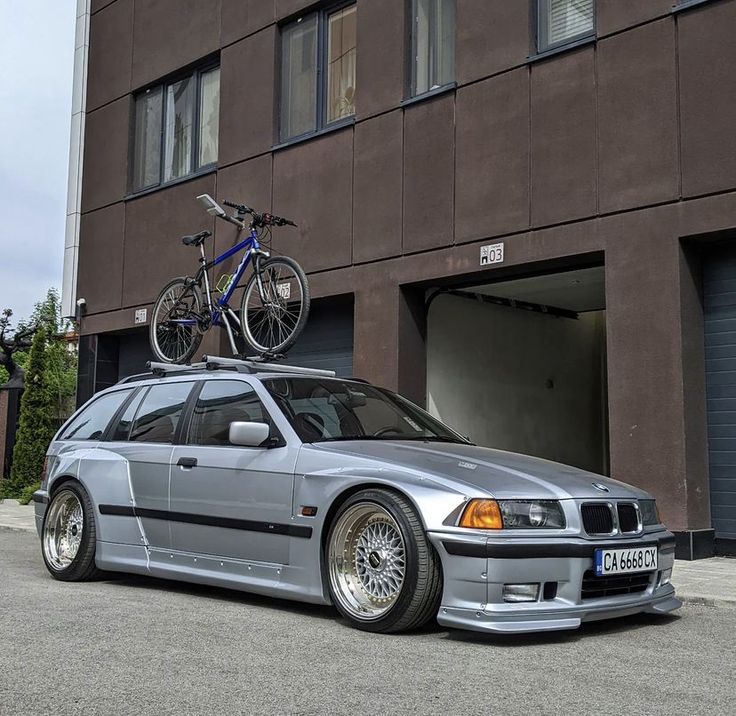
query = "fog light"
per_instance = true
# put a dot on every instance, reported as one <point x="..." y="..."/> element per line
<point x="665" y="576"/>
<point x="520" y="592"/>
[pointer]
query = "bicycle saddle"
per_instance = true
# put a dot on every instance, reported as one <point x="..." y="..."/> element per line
<point x="195" y="239"/>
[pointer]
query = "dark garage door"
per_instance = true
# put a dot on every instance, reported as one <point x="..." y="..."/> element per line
<point x="720" y="353"/>
<point x="327" y="340"/>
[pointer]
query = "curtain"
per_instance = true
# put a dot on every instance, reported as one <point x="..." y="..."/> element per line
<point x="179" y="117"/>
<point x="341" y="64"/>
<point x="209" y="117"/>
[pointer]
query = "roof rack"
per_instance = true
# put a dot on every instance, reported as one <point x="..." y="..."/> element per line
<point x="209" y="363"/>
<point x="257" y="365"/>
<point x="159" y="370"/>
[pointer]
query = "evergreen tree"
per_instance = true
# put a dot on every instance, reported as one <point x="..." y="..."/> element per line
<point x="37" y="422"/>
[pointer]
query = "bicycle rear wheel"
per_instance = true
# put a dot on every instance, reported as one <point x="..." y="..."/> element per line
<point x="175" y="333"/>
<point x="272" y="322"/>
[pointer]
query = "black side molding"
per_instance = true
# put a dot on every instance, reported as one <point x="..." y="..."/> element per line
<point x="551" y="550"/>
<point x="41" y="499"/>
<point x="208" y="520"/>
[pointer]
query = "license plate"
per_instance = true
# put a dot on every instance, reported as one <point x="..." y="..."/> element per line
<point x="623" y="561"/>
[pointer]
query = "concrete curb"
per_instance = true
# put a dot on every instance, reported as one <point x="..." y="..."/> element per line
<point x="17" y="528"/>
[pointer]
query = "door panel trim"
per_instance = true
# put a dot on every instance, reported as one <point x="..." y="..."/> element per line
<point x="208" y="520"/>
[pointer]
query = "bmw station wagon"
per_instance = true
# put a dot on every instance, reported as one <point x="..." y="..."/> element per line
<point x="292" y="483"/>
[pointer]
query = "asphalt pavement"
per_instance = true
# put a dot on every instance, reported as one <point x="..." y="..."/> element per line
<point x="135" y="645"/>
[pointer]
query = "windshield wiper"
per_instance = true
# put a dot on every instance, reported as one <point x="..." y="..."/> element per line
<point x="439" y="439"/>
<point x="347" y="438"/>
<point x="422" y="438"/>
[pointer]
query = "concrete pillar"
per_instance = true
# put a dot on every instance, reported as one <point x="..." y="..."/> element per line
<point x="3" y="430"/>
<point x="389" y="343"/>
<point x="9" y="414"/>
<point x="656" y="375"/>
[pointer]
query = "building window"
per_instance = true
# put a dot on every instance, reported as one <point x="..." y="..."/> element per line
<point x="176" y="129"/>
<point x="560" y="22"/>
<point x="433" y="45"/>
<point x="318" y="53"/>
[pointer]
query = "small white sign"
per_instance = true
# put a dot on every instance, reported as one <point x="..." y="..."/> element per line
<point x="141" y="315"/>
<point x="491" y="254"/>
<point x="284" y="290"/>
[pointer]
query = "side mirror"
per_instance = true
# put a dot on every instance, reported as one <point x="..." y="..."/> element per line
<point x="248" y="434"/>
<point x="211" y="205"/>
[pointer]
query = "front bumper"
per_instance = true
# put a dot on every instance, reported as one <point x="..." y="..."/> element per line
<point x="476" y="568"/>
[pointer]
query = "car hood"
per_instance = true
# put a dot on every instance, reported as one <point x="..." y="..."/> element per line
<point x="501" y="474"/>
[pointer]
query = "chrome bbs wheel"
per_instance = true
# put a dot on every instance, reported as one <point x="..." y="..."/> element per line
<point x="367" y="561"/>
<point x="63" y="528"/>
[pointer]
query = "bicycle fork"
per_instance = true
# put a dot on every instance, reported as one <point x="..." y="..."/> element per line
<point x="228" y="314"/>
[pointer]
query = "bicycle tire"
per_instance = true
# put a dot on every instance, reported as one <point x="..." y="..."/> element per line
<point x="194" y="335"/>
<point x="289" y="334"/>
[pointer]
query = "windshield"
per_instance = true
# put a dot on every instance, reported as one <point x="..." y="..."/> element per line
<point x="326" y="409"/>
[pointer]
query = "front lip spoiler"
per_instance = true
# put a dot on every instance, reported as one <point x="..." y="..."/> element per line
<point x="509" y="550"/>
<point x="519" y="622"/>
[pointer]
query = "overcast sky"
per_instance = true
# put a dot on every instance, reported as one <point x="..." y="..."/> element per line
<point x="36" y="68"/>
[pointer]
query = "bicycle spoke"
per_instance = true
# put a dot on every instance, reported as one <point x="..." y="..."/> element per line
<point x="173" y="338"/>
<point x="273" y="310"/>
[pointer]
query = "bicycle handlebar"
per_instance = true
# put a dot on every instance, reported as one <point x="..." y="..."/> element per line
<point x="265" y="219"/>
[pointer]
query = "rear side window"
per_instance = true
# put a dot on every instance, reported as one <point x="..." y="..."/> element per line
<point x="220" y="403"/>
<point x="124" y="424"/>
<point x="159" y="414"/>
<point x="90" y="424"/>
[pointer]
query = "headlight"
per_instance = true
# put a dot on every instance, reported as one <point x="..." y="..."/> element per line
<point x="513" y="514"/>
<point x="649" y="512"/>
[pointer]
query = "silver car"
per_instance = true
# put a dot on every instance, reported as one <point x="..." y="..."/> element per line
<point x="293" y="483"/>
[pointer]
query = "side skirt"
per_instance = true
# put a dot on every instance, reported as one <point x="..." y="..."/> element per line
<point x="273" y="580"/>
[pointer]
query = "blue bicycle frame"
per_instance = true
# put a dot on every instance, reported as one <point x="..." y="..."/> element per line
<point x="218" y="312"/>
<point x="251" y="246"/>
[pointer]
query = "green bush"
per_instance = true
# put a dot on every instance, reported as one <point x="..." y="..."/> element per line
<point x="37" y="422"/>
<point x="49" y="395"/>
<point x="26" y="494"/>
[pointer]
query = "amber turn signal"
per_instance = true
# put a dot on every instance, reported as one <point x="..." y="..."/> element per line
<point x="482" y="514"/>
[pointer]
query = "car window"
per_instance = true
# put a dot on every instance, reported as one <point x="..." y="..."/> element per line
<point x="220" y="403"/>
<point x="122" y="428"/>
<point x="90" y="424"/>
<point x="331" y="409"/>
<point x="159" y="414"/>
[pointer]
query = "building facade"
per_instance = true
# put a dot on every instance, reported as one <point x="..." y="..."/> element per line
<point x="519" y="214"/>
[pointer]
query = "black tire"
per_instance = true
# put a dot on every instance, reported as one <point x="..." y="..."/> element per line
<point x="254" y="332"/>
<point x="187" y="300"/>
<point x="418" y="599"/>
<point x="82" y="566"/>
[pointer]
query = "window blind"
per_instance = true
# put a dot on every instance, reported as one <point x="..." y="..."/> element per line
<point x="569" y="18"/>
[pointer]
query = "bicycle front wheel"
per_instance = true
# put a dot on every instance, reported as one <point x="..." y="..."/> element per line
<point x="273" y="314"/>
<point x="175" y="333"/>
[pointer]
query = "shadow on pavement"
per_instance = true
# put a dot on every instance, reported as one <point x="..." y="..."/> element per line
<point x="234" y="596"/>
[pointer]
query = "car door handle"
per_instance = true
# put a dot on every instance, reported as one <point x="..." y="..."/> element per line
<point x="187" y="462"/>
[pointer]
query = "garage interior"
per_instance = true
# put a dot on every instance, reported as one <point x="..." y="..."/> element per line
<point x="520" y="365"/>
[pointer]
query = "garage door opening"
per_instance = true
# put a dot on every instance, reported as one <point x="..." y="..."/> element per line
<point x="521" y="365"/>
